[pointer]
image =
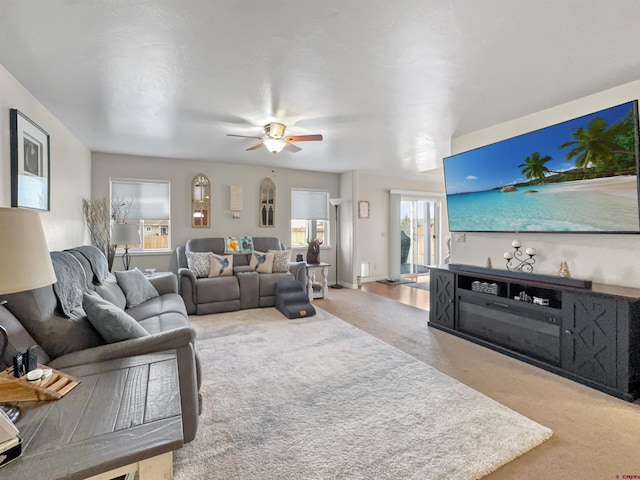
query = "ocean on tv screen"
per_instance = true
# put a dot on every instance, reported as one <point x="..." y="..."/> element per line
<point x="598" y="205"/>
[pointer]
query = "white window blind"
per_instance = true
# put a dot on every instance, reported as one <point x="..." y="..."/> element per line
<point x="151" y="199"/>
<point x="309" y="205"/>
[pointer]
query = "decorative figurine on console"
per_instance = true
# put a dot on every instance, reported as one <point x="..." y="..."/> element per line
<point x="517" y="261"/>
<point x="313" y="252"/>
<point x="564" y="270"/>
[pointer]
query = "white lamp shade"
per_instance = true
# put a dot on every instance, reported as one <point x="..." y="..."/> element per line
<point x="335" y="201"/>
<point x="25" y="263"/>
<point x="125" y="234"/>
<point x="274" y="145"/>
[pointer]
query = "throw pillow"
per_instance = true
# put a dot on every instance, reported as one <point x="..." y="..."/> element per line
<point x="136" y="287"/>
<point x="114" y="324"/>
<point x="199" y="263"/>
<point x="261" y="262"/>
<point x="281" y="259"/>
<point x="238" y="245"/>
<point x="221" y="265"/>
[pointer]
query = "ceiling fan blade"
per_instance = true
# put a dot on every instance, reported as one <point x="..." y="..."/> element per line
<point x="292" y="148"/>
<point x="243" y="136"/>
<point x="304" y="138"/>
<point x="255" y="147"/>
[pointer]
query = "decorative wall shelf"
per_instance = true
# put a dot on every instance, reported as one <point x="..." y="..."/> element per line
<point x="200" y="201"/>
<point x="267" y="205"/>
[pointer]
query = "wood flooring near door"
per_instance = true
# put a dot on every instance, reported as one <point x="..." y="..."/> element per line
<point x="595" y="437"/>
<point x="400" y="293"/>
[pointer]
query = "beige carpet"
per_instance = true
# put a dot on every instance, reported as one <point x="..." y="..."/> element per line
<point x="320" y="399"/>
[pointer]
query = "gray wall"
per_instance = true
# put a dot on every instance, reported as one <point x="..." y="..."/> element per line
<point x="181" y="172"/>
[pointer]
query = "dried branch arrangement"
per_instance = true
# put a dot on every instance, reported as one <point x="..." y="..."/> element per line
<point x="97" y="214"/>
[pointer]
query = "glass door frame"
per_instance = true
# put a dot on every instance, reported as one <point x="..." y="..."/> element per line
<point x="396" y="197"/>
<point x="422" y="214"/>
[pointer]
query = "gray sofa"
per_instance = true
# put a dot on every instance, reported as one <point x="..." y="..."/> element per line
<point x="36" y="317"/>
<point x="246" y="288"/>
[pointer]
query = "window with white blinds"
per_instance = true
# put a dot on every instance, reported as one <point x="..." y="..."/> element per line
<point x="309" y="216"/>
<point x="148" y="203"/>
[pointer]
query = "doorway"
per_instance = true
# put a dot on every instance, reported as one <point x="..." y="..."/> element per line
<point x="414" y="235"/>
<point x="418" y="236"/>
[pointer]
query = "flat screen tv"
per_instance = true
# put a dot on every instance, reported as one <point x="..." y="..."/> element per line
<point x="579" y="176"/>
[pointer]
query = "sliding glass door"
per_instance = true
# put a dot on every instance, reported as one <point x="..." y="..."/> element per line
<point x="418" y="235"/>
<point x="414" y="232"/>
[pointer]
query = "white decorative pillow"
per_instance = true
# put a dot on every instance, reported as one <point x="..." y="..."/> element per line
<point x="281" y="259"/>
<point x="261" y="262"/>
<point x="221" y="265"/>
<point x="199" y="263"/>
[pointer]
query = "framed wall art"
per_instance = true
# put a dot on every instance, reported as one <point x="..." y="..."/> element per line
<point x="363" y="209"/>
<point x="30" y="162"/>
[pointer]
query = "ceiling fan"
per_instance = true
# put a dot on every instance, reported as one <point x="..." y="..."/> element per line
<point x="274" y="139"/>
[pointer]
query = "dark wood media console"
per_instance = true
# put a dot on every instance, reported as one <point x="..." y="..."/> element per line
<point x="587" y="332"/>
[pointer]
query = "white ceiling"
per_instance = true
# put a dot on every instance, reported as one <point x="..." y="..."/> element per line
<point x="387" y="83"/>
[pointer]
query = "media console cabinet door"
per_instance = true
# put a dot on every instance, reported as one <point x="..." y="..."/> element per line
<point x="589" y="336"/>
<point x="442" y="295"/>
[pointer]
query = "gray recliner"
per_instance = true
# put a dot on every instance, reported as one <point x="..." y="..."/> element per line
<point x="34" y="317"/>
<point x="244" y="289"/>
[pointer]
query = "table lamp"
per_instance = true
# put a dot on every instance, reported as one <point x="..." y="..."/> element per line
<point x="125" y="234"/>
<point x="25" y="264"/>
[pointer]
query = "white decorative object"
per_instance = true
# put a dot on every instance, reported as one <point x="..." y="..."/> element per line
<point x="235" y="200"/>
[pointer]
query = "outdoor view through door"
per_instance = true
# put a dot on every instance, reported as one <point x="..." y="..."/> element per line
<point x="418" y="235"/>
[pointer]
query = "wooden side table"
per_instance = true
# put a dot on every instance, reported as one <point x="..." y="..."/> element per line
<point x="312" y="268"/>
<point x="123" y="417"/>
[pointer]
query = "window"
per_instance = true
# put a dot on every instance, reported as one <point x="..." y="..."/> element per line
<point x="309" y="217"/>
<point x="148" y="203"/>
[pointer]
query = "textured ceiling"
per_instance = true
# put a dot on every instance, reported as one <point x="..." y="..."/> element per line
<point x="387" y="83"/>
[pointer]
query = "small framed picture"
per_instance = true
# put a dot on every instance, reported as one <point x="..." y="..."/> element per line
<point x="363" y="209"/>
<point x="30" y="180"/>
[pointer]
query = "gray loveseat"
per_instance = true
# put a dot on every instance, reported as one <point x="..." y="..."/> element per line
<point x="36" y="317"/>
<point x="245" y="288"/>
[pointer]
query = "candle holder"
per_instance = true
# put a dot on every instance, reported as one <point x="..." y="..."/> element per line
<point x="518" y="260"/>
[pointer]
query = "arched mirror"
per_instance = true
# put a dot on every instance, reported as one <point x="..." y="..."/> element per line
<point x="200" y="201"/>
<point x="267" y="203"/>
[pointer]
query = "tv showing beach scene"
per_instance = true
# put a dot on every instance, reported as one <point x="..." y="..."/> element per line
<point x="576" y="176"/>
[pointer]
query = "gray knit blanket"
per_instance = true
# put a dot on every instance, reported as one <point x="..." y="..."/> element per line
<point x="71" y="281"/>
<point x="97" y="260"/>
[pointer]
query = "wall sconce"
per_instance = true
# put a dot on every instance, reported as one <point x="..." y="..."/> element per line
<point x="517" y="261"/>
<point x="235" y="200"/>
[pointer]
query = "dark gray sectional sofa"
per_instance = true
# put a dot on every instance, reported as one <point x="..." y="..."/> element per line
<point x="246" y="288"/>
<point x="36" y="317"/>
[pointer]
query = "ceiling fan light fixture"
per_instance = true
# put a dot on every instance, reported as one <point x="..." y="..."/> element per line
<point x="274" y="145"/>
<point x="274" y="130"/>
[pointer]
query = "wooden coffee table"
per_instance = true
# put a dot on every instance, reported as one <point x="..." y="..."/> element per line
<point x="123" y="417"/>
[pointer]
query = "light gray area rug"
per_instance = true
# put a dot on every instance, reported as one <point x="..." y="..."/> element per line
<point x="318" y="398"/>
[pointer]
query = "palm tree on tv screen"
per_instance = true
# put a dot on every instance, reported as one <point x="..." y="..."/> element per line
<point x="534" y="166"/>
<point x="602" y="147"/>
